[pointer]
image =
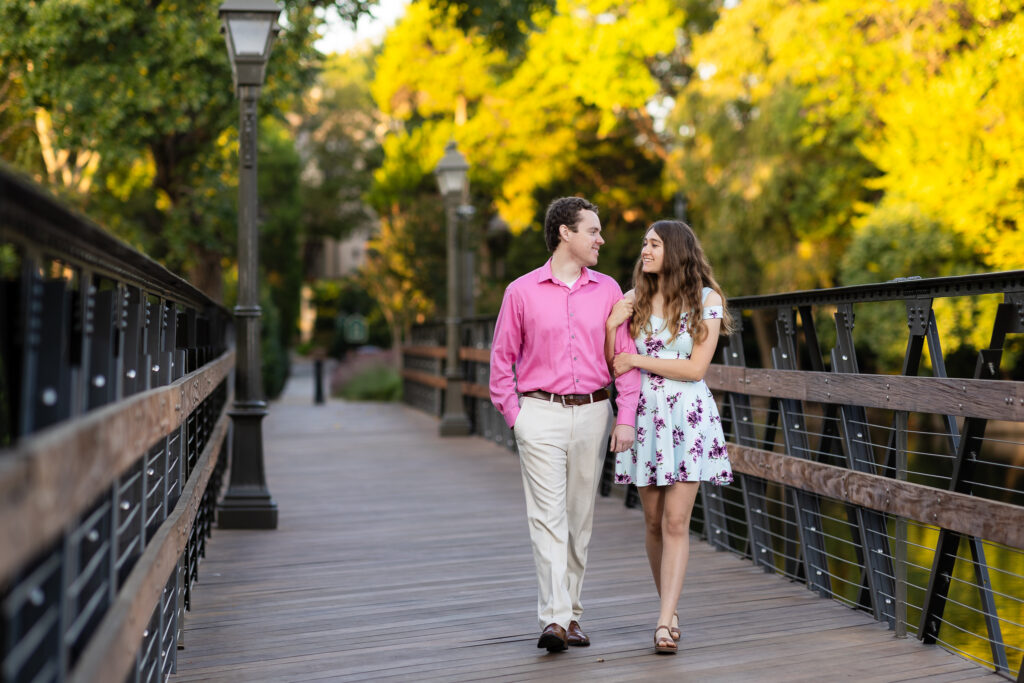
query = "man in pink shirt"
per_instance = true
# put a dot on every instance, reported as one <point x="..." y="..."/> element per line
<point x="549" y="380"/>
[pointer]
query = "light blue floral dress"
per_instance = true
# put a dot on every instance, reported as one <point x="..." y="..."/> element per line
<point x="678" y="429"/>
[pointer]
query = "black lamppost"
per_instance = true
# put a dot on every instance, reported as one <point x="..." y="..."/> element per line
<point x="250" y="27"/>
<point x="451" y="178"/>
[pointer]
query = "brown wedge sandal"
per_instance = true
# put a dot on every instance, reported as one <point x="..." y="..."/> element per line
<point x="673" y="627"/>
<point x="664" y="646"/>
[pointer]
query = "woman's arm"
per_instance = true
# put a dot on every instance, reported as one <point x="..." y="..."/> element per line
<point x="686" y="369"/>
<point x="621" y="311"/>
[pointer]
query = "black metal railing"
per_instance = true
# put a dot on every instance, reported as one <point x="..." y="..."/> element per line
<point x="113" y="414"/>
<point x="898" y="494"/>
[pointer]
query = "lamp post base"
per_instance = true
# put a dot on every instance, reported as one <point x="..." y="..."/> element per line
<point x="454" y="421"/>
<point x="247" y="503"/>
<point x="455" y="425"/>
<point x="257" y="511"/>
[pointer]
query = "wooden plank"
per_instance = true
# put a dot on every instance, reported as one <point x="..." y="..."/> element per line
<point x="476" y="391"/>
<point x="424" y="351"/>
<point x="110" y="654"/>
<point x="49" y="478"/>
<point x="421" y="377"/>
<point x="419" y="567"/>
<point x="987" y="519"/>
<point x="465" y="353"/>
<point x="982" y="398"/>
<point x="475" y="355"/>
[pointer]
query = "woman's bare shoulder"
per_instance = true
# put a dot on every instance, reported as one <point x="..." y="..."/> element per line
<point x="713" y="299"/>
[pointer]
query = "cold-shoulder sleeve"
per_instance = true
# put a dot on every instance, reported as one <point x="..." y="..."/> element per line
<point x="710" y="312"/>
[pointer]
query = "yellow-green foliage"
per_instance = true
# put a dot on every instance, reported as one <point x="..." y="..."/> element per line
<point x="583" y="71"/>
<point x="953" y="140"/>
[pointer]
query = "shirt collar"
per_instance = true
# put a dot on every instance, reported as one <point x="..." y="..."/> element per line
<point x="544" y="273"/>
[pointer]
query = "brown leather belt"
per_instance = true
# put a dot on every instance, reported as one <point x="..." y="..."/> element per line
<point x="569" y="399"/>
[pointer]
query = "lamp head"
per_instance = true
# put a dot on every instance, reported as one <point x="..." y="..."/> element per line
<point x="451" y="171"/>
<point x="250" y="27"/>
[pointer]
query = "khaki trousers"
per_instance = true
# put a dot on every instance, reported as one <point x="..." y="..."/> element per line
<point x="561" y="452"/>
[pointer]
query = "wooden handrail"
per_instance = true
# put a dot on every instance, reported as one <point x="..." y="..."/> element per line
<point x="988" y="398"/>
<point x="424" y="351"/>
<point x="984" y="398"/>
<point x="110" y="654"/>
<point x="52" y="476"/>
<point x="988" y="519"/>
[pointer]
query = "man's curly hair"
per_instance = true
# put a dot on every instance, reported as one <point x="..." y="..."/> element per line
<point x="563" y="211"/>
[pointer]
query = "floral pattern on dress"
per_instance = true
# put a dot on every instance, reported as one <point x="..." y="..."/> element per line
<point x="679" y="433"/>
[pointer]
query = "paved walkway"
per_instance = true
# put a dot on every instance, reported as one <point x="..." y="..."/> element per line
<point x="401" y="556"/>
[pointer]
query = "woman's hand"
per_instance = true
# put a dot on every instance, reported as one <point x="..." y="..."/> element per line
<point x="623" y="363"/>
<point x="621" y="311"/>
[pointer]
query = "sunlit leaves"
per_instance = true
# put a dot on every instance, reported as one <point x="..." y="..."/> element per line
<point x="954" y="145"/>
<point x="340" y="126"/>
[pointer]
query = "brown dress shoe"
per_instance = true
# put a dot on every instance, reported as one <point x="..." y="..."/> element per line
<point x="577" y="637"/>
<point x="553" y="638"/>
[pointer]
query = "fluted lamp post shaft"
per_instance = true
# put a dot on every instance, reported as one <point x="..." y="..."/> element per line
<point x="250" y="27"/>
<point x="452" y="180"/>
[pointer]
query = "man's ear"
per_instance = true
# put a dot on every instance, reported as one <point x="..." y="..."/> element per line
<point x="563" y="231"/>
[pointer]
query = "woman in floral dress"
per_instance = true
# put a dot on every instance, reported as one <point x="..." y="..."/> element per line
<point x="675" y="314"/>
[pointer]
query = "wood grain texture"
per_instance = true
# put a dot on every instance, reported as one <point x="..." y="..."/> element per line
<point x="110" y="654"/>
<point x="51" y="477"/>
<point x="476" y="391"/>
<point x="401" y="556"/>
<point x="435" y="381"/>
<point x="983" y="398"/>
<point x="424" y="351"/>
<point x="475" y="355"/>
<point x="987" y="519"/>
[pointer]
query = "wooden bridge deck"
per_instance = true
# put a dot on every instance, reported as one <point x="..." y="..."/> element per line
<point x="401" y="556"/>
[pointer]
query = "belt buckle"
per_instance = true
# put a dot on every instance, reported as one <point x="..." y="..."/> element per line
<point x="561" y="398"/>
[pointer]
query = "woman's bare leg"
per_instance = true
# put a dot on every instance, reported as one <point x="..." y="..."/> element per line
<point x="675" y="538"/>
<point x="652" y="498"/>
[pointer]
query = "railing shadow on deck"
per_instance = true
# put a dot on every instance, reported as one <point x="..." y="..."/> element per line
<point x="113" y="419"/>
<point x="881" y="491"/>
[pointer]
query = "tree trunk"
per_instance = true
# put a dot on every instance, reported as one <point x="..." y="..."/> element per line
<point x="396" y="345"/>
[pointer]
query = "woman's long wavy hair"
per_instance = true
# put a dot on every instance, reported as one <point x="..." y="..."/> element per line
<point x="685" y="272"/>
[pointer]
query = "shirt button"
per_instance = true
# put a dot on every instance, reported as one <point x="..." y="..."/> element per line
<point x="577" y="381"/>
<point x="574" y="336"/>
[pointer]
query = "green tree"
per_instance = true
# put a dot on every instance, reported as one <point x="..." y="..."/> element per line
<point x="566" y="113"/>
<point x="339" y="140"/>
<point x="804" y="115"/>
<point x="403" y="263"/>
<point x="146" y="88"/>
<point x="901" y="240"/>
<point x="280" y="224"/>
<point x="953" y="137"/>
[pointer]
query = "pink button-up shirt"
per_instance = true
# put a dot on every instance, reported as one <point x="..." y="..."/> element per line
<point x="553" y="335"/>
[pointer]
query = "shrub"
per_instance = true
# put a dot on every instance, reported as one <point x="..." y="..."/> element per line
<point x="375" y="383"/>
